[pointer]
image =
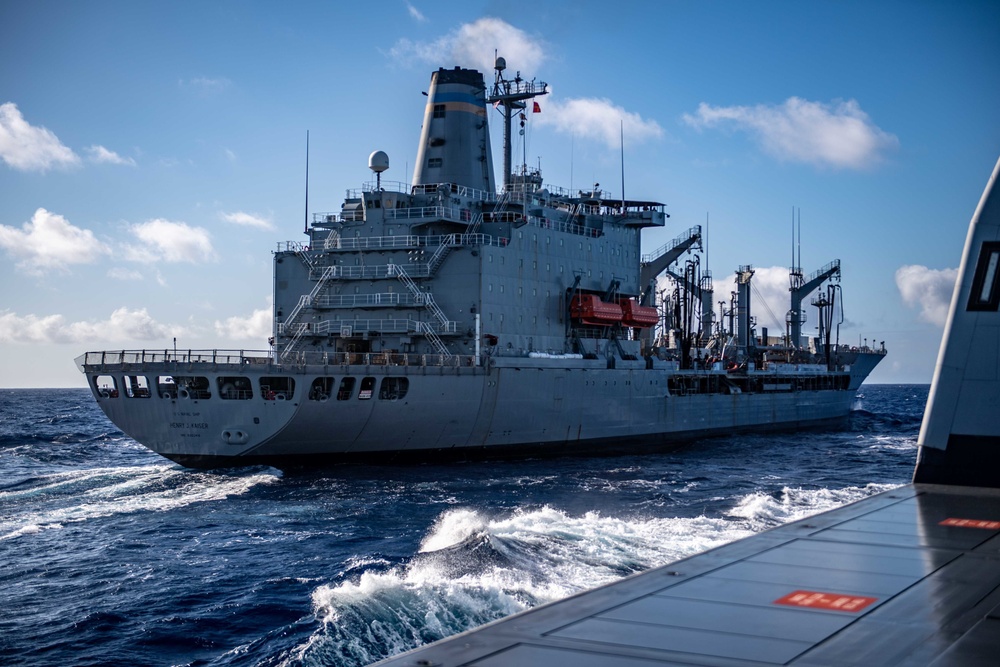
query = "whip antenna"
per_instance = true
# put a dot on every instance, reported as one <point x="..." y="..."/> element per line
<point x="305" y="224"/>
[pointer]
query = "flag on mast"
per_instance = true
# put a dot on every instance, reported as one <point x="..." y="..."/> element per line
<point x="536" y="108"/>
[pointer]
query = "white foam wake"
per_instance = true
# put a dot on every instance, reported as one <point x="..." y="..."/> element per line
<point x="72" y="497"/>
<point x="472" y="568"/>
<point x="761" y="511"/>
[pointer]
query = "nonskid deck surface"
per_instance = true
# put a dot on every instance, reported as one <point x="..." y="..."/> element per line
<point x="908" y="577"/>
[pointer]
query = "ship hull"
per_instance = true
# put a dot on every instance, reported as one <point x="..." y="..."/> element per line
<point x="536" y="408"/>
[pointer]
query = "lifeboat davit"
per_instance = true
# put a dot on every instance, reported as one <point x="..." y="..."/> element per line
<point x="589" y="309"/>
<point x="634" y="315"/>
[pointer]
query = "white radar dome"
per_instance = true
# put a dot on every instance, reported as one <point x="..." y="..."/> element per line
<point x="378" y="162"/>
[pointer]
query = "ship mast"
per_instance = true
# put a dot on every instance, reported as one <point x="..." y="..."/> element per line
<point x="511" y="95"/>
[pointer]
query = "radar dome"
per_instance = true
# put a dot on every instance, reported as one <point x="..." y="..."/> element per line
<point x="378" y="161"/>
<point x="501" y="64"/>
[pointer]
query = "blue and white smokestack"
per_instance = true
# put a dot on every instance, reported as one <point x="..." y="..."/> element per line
<point x="455" y="139"/>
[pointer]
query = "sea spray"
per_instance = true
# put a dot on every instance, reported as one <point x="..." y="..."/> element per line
<point x="471" y="569"/>
<point x="104" y="492"/>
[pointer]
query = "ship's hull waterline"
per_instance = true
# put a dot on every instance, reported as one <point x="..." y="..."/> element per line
<point x="538" y="407"/>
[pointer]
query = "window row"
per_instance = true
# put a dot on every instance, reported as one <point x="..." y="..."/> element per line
<point x="240" y="388"/>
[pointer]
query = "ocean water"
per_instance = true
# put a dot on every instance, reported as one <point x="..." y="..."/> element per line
<point x="111" y="555"/>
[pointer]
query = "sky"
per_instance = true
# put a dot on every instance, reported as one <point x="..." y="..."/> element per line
<point x="152" y="155"/>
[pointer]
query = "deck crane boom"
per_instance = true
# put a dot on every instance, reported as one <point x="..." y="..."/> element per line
<point x="800" y="289"/>
<point x="656" y="262"/>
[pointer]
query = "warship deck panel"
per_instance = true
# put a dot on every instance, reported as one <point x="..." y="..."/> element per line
<point x="907" y="577"/>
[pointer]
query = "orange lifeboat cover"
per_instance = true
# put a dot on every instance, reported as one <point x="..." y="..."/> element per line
<point x="589" y="309"/>
<point x="634" y="315"/>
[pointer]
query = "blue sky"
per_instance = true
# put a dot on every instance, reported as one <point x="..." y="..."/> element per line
<point x="152" y="154"/>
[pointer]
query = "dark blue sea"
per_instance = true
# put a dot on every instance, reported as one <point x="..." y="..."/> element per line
<point x="111" y="555"/>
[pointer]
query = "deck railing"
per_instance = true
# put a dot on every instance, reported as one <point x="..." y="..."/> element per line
<point x="167" y="360"/>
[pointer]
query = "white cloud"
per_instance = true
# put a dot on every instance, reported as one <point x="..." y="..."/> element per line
<point x="770" y="286"/>
<point x="124" y="325"/>
<point x="207" y="85"/>
<point x="930" y="289"/>
<point x="168" y="241"/>
<point x="49" y="241"/>
<point x="257" y="326"/>
<point x="128" y="275"/>
<point x="29" y="148"/>
<point x="415" y="13"/>
<point x="102" y="155"/>
<point x="838" y="135"/>
<point x="247" y="220"/>
<point x="598" y="119"/>
<point x="472" y="45"/>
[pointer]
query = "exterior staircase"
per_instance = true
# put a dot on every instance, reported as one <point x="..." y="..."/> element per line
<point x="428" y="300"/>
<point x="305" y="301"/>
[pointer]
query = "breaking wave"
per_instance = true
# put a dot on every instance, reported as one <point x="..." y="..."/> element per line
<point x="472" y="568"/>
<point x="760" y="511"/>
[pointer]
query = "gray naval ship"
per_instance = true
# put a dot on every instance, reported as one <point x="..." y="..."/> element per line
<point x="449" y="318"/>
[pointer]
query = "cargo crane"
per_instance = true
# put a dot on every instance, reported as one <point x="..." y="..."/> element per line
<point x="655" y="263"/>
<point x="800" y="289"/>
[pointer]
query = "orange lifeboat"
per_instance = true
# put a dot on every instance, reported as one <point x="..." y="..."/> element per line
<point x="634" y="315"/>
<point x="589" y="309"/>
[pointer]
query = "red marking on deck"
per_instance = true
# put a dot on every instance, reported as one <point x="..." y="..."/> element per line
<point x="972" y="523"/>
<point x="831" y="601"/>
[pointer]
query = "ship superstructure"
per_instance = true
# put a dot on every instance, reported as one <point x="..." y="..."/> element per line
<point x="449" y="318"/>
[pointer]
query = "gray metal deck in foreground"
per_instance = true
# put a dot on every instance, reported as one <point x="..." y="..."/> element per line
<point x="907" y="577"/>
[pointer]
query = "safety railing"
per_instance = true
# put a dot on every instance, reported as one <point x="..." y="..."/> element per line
<point x="138" y="357"/>
<point x="693" y="234"/>
<point x="348" y="328"/>
<point x="379" y="300"/>
<point x="163" y="361"/>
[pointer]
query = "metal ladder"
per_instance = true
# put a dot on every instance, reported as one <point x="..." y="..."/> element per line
<point x="304" y="302"/>
<point x="428" y="301"/>
<point x="439" y="255"/>
<point x="477" y="221"/>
